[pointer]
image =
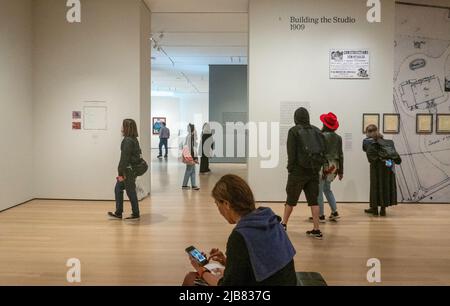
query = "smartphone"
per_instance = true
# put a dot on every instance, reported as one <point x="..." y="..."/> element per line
<point x="197" y="255"/>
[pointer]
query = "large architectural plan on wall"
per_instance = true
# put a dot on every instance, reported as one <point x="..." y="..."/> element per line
<point x="422" y="68"/>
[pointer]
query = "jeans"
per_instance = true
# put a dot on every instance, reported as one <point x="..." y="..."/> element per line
<point x="163" y="142"/>
<point x="189" y="174"/>
<point x="325" y="188"/>
<point x="130" y="186"/>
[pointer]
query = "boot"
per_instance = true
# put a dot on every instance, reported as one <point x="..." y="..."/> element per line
<point x="372" y="211"/>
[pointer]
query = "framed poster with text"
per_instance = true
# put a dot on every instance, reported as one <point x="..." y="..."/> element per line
<point x="349" y="64"/>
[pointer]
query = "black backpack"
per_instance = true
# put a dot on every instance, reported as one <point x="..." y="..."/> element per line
<point x="312" y="149"/>
<point x="386" y="150"/>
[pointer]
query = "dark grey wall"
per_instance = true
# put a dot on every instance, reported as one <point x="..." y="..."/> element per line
<point x="228" y="99"/>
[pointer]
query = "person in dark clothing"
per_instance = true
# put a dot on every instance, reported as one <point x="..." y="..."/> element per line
<point x="126" y="180"/>
<point x="383" y="185"/>
<point x="259" y="252"/>
<point x="335" y="158"/>
<point x="206" y="148"/>
<point x="303" y="178"/>
<point x="164" y="136"/>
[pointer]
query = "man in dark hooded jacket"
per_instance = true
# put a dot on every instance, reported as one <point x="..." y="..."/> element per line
<point x="303" y="176"/>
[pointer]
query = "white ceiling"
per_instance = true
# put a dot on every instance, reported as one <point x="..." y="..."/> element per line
<point x="196" y="34"/>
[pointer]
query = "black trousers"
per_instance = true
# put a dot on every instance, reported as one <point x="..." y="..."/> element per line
<point x="129" y="185"/>
<point x="204" y="164"/>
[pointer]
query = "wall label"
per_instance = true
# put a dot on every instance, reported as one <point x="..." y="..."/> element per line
<point x="299" y="23"/>
<point x="74" y="13"/>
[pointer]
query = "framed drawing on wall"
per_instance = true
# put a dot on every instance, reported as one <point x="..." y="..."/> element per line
<point x="443" y="124"/>
<point x="157" y="124"/>
<point x="391" y="123"/>
<point x="369" y="119"/>
<point x="424" y="124"/>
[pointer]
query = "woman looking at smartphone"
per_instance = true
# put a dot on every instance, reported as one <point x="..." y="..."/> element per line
<point x="126" y="180"/>
<point x="258" y="252"/>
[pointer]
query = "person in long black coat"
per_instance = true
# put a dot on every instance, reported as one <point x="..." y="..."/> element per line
<point x="206" y="148"/>
<point x="383" y="185"/>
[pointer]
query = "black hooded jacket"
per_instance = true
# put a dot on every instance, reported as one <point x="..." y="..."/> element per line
<point x="302" y="120"/>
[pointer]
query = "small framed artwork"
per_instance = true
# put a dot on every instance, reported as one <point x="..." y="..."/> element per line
<point x="76" y="115"/>
<point x="369" y="119"/>
<point x="76" y="125"/>
<point x="391" y="123"/>
<point x="424" y="124"/>
<point x="443" y="124"/>
<point x="157" y="124"/>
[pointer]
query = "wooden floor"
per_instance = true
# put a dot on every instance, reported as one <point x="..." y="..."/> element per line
<point x="36" y="239"/>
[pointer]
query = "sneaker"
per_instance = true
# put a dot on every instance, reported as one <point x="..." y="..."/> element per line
<point x="159" y="156"/>
<point x="114" y="216"/>
<point x="284" y="226"/>
<point x="185" y="188"/>
<point x="371" y="211"/>
<point x="317" y="234"/>
<point x="322" y="219"/>
<point x="334" y="216"/>
<point x="196" y="188"/>
<point x="133" y="218"/>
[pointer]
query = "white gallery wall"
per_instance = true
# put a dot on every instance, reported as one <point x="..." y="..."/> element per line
<point x="194" y="109"/>
<point x="16" y="115"/>
<point x="104" y="61"/>
<point x="169" y="108"/>
<point x="145" y="94"/>
<point x="180" y="110"/>
<point x="293" y="66"/>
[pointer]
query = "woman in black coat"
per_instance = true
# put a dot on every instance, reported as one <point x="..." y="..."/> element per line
<point x="382" y="157"/>
<point x="206" y="148"/>
<point x="126" y="180"/>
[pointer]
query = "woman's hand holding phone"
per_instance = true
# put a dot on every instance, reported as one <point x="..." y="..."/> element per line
<point x="195" y="264"/>
<point x="218" y="256"/>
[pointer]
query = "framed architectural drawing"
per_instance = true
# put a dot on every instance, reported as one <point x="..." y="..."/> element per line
<point x="424" y="124"/>
<point x="369" y="119"/>
<point x="391" y="123"/>
<point x="443" y="124"/>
